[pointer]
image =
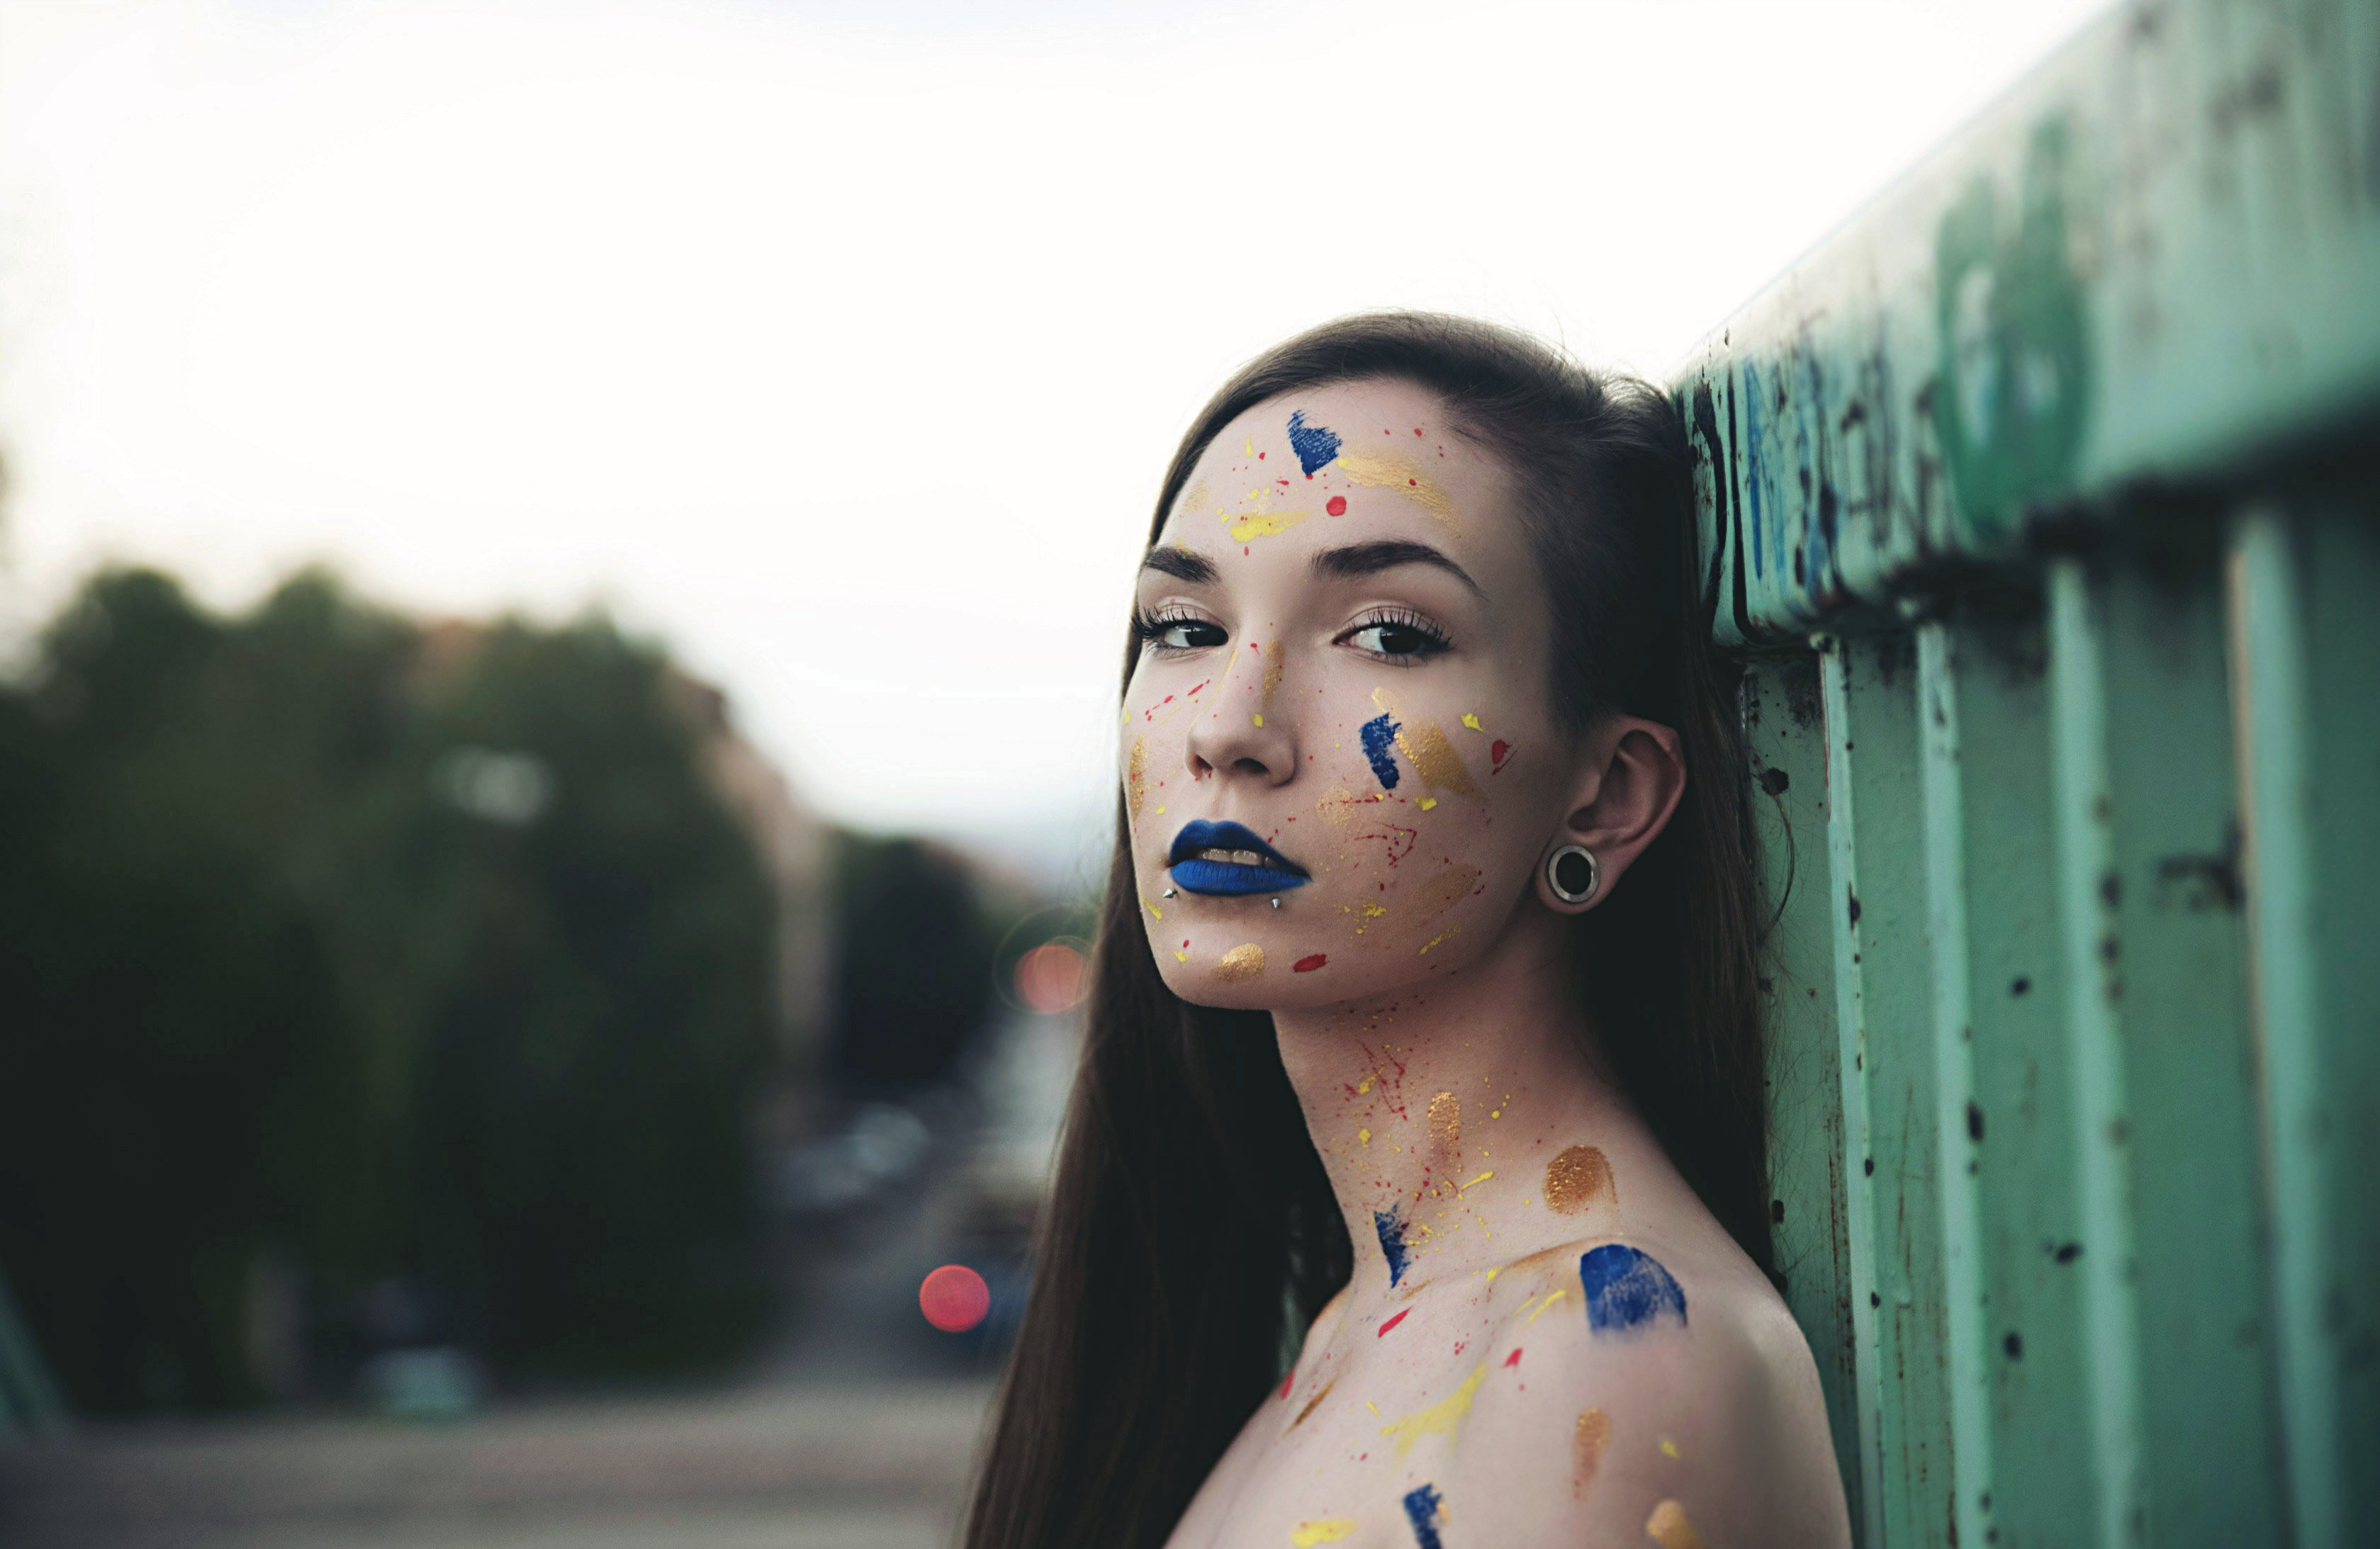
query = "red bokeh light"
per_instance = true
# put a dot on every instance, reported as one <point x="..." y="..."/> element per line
<point x="1049" y="977"/>
<point x="954" y="1299"/>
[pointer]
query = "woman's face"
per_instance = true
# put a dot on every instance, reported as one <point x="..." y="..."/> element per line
<point x="1340" y="703"/>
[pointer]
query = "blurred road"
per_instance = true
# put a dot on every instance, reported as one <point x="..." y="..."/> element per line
<point x="817" y="1467"/>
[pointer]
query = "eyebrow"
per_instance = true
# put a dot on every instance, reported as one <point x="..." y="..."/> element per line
<point x="1369" y="559"/>
<point x="1180" y="564"/>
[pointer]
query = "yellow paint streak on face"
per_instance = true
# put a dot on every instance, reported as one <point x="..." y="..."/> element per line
<point x="1364" y="1136"/>
<point x="1276" y="660"/>
<point x="1577" y="1179"/>
<point x="1669" y="1527"/>
<point x="1262" y="522"/>
<point x="1471" y="720"/>
<point x="1435" y="939"/>
<point x="1258" y="719"/>
<point x="1181" y="957"/>
<point x="1439" y="1418"/>
<point x="1446" y="1122"/>
<point x="1330" y="1530"/>
<point x="1426" y="801"/>
<point x="1135" y="776"/>
<point x="1313" y="1403"/>
<point x="1364" y="1086"/>
<point x="1493" y="1272"/>
<point x="1406" y="478"/>
<point x="1668" y="1447"/>
<point x="1587" y="1448"/>
<point x="1244" y="961"/>
<point x="1374" y="911"/>
<point x="1551" y="1297"/>
<point x="1154" y="911"/>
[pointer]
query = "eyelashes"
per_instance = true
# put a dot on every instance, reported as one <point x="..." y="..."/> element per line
<point x="1395" y="636"/>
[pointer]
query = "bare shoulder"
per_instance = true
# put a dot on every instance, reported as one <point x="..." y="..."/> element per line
<point x="1653" y="1393"/>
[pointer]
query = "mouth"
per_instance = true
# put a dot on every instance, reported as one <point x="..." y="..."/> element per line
<point x="1227" y="860"/>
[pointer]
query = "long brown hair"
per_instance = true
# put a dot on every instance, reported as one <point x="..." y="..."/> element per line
<point x="1191" y="1231"/>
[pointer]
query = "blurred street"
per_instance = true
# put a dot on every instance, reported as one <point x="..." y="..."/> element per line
<point x="853" y="1430"/>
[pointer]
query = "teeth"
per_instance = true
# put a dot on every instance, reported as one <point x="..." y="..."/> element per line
<point x="1232" y="857"/>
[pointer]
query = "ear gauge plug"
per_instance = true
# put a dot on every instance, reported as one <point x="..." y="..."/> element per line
<point x="1572" y="873"/>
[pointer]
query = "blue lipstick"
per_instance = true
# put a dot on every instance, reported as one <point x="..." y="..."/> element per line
<point x="1226" y="860"/>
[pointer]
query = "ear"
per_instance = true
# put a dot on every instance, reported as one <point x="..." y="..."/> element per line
<point x="1630" y="775"/>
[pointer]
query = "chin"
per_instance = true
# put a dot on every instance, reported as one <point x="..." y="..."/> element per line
<point x="1271" y="965"/>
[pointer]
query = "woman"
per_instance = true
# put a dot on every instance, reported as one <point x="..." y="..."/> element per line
<point x="1424" y="1023"/>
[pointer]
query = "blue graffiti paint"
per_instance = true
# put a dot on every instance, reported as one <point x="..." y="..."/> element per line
<point x="1391" y="1227"/>
<point x="1421" y="1510"/>
<point x="1754" y="474"/>
<point x="1380" y="735"/>
<point x="1314" y="445"/>
<point x="1627" y="1290"/>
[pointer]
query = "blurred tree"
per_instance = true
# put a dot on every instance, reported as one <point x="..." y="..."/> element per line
<point x="914" y="981"/>
<point x="389" y="951"/>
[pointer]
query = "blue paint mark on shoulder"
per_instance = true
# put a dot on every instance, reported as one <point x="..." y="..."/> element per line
<point x="1391" y="1227"/>
<point x="1422" y="1505"/>
<point x="1627" y="1290"/>
<point x="1314" y="445"/>
<point x="1380" y="735"/>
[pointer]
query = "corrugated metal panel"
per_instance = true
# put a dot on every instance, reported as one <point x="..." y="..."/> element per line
<point x="2033" y="499"/>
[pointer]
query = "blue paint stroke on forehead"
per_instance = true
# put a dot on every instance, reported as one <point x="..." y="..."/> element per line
<point x="1421" y="1510"/>
<point x="1391" y="1227"/>
<point x="1314" y="445"/>
<point x="1627" y="1290"/>
<point x="1379" y="733"/>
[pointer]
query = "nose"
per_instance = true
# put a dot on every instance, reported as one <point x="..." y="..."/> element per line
<point x="1234" y="736"/>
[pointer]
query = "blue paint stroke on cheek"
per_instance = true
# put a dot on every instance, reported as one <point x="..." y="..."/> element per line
<point x="1380" y="735"/>
<point x="1627" y="1291"/>
<point x="1314" y="445"/>
<point x="1421" y="1510"/>
<point x="1391" y="1227"/>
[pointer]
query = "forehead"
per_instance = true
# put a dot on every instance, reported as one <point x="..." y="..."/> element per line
<point x="1347" y="463"/>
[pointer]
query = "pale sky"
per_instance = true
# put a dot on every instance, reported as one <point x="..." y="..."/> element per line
<point x="841" y="345"/>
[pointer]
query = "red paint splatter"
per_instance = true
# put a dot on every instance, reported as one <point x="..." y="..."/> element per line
<point x="1308" y="964"/>
<point x="1413" y="483"/>
<point x="1287" y="1378"/>
<point x="1514" y="1359"/>
<point x="1259" y="457"/>
<point x="1416" y="429"/>
<point x="1496" y="753"/>
<point x="1459" y="1344"/>
<point x="1391" y="1322"/>
<point x="1336" y="505"/>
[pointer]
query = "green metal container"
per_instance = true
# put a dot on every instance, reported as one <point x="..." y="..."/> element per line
<point x="2039" y="502"/>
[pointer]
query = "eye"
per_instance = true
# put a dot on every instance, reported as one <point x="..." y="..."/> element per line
<point x="1401" y="637"/>
<point x="1177" y="629"/>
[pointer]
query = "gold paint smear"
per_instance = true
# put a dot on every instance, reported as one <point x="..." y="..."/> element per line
<point x="1241" y="962"/>
<point x="1577" y="1179"/>
<point x="1587" y="1448"/>
<point x="1434" y="758"/>
<point x="1439" y="1418"/>
<point x="1275" y="658"/>
<point x="1404" y="477"/>
<point x="1330" y="1530"/>
<point x="1446" y="889"/>
<point x="1311" y="1404"/>
<point x="1669" y="1527"/>
<point x="1446" y="1121"/>
<point x="1195" y="498"/>
<point x="1135" y="776"/>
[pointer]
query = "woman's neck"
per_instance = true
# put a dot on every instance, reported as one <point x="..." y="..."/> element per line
<point x="1438" y="1110"/>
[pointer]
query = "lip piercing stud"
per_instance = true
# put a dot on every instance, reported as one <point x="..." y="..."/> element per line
<point x="1167" y="893"/>
<point x="1276" y="903"/>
